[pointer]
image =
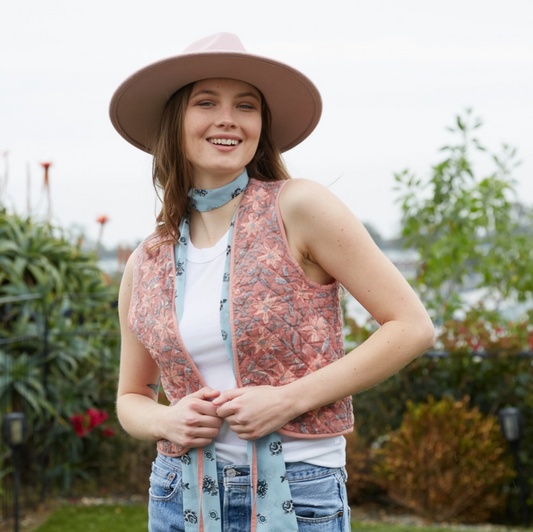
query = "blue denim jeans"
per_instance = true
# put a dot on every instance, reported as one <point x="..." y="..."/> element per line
<point x="318" y="495"/>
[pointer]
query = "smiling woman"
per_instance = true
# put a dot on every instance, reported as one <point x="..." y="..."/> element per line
<point x="234" y="301"/>
<point x="222" y="126"/>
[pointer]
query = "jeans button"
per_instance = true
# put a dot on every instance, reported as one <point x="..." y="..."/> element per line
<point x="231" y="473"/>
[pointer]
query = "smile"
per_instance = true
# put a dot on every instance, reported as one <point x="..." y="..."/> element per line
<point x="225" y="142"/>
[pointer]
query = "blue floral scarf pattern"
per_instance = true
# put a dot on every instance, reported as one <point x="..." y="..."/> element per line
<point x="272" y="504"/>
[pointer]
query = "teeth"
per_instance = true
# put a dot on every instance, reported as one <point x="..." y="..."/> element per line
<point x="225" y="142"/>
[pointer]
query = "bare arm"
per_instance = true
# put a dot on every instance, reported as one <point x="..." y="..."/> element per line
<point x="192" y="422"/>
<point x="329" y="241"/>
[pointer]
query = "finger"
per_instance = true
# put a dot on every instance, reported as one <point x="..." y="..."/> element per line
<point x="235" y="426"/>
<point x="199" y="420"/>
<point x="210" y="421"/>
<point x="206" y="408"/>
<point x="227" y="409"/>
<point x="200" y="442"/>
<point x="202" y="432"/>
<point x="205" y="393"/>
<point x="190" y="438"/>
<point x="228" y="395"/>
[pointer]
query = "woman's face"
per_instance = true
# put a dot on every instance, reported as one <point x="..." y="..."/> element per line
<point x="222" y="126"/>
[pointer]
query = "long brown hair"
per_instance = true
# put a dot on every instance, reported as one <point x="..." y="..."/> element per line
<point x="172" y="173"/>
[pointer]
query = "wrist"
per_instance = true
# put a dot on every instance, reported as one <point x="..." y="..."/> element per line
<point x="295" y="399"/>
<point x="157" y="418"/>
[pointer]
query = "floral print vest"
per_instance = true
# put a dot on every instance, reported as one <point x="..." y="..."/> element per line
<point x="284" y="326"/>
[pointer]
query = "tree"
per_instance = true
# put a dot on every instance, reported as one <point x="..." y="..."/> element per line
<point x="467" y="230"/>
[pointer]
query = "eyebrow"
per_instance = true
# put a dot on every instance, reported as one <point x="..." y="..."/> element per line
<point x="215" y="93"/>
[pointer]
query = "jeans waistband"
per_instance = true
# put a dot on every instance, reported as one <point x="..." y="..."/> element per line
<point x="237" y="474"/>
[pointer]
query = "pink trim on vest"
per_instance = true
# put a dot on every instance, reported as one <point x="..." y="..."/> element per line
<point x="284" y="326"/>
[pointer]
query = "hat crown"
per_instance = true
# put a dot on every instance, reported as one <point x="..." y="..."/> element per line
<point x="219" y="42"/>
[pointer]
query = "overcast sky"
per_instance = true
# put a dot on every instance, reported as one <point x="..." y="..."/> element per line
<point x="392" y="73"/>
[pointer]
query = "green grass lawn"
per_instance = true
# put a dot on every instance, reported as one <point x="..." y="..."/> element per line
<point x="97" y="519"/>
<point x="118" y="518"/>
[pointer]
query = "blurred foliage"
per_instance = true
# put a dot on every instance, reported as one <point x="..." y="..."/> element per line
<point x="59" y="346"/>
<point x="469" y="233"/>
<point x="446" y="462"/>
<point x="467" y="230"/>
<point x="362" y="483"/>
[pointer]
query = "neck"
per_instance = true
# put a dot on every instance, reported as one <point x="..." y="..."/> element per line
<point x="207" y="228"/>
<point x="212" y="210"/>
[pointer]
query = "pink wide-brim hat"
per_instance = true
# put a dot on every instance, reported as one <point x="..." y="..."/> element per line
<point x="293" y="99"/>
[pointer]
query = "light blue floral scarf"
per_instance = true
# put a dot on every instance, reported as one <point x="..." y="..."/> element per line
<point x="272" y="508"/>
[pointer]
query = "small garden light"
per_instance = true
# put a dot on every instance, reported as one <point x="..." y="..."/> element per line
<point x="14" y="429"/>
<point x="14" y="433"/>
<point x="511" y="423"/>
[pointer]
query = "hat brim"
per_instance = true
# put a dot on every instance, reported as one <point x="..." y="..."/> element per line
<point x="293" y="99"/>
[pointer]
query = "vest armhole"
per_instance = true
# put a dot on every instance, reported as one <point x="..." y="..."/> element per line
<point x="290" y="255"/>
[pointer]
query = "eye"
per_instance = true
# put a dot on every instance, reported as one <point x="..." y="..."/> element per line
<point x="204" y="103"/>
<point x="246" y="106"/>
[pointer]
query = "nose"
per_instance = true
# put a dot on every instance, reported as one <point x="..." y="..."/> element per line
<point x="226" y="117"/>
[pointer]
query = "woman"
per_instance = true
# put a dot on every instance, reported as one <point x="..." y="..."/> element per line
<point x="233" y="303"/>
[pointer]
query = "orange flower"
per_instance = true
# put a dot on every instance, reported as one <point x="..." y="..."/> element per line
<point x="102" y="219"/>
<point x="46" y="166"/>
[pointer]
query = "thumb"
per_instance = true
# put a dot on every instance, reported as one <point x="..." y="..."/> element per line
<point x="205" y="393"/>
<point x="228" y="395"/>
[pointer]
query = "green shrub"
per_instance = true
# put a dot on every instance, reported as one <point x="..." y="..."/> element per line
<point x="446" y="462"/>
<point x="71" y="302"/>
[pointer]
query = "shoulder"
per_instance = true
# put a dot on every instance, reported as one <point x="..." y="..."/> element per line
<point x="307" y="198"/>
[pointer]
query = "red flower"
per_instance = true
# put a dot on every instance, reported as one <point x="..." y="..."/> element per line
<point x="46" y="166"/>
<point x="79" y="422"/>
<point x="102" y="219"/>
<point x="96" y="417"/>
<point x="85" y="423"/>
<point x="108" y="433"/>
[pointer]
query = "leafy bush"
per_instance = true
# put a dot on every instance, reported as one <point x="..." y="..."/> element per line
<point x="484" y="362"/>
<point x="59" y="352"/>
<point x="468" y="231"/>
<point x="446" y="461"/>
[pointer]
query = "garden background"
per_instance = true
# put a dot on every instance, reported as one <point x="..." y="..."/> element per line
<point x="426" y="440"/>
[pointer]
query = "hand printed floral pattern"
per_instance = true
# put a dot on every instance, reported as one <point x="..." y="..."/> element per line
<point x="284" y="325"/>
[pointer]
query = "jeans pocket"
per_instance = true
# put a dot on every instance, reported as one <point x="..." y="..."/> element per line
<point x="319" y="502"/>
<point x="165" y="481"/>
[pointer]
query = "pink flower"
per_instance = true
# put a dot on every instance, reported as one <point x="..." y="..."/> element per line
<point x="265" y="344"/>
<point x="259" y="199"/>
<point x="301" y="295"/>
<point x="272" y="256"/>
<point x="102" y="219"/>
<point x="317" y="328"/>
<point x="254" y="224"/>
<point x="266" y="307"/>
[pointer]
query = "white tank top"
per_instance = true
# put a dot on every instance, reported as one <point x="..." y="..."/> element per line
<point x="201" y="335"/>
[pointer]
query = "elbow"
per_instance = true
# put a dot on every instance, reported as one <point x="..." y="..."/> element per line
<point x="427" y="336"/>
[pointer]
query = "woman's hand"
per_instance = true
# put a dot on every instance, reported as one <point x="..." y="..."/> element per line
<point x="253" y="412"/>
<point x="192" y="421"/>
